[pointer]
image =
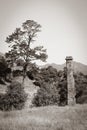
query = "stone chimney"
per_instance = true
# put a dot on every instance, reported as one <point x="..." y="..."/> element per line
<point x="70" y="81"/>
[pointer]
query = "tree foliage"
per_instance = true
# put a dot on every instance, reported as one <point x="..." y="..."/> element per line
<point x="20" y="42"/>
<point x="14" y="98"/>
<point x="53" y="85"/>
<point x="4" y="71"/>
<point x="48" y="75"/>
<point x="48" y="94"/>
<point x="3" y="67"/>
<point x="81" y="87"/>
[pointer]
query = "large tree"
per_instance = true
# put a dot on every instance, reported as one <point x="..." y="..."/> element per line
<point x="20" y="42"/>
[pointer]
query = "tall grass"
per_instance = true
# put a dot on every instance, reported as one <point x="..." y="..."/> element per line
<point x="45" y="118"/>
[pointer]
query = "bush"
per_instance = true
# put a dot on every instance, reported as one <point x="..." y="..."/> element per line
<point x="2" y="81"/>
<point x="15" y="97"/>
<point x="48" y="94"/>
<point x="17" y="73"/>
<point x="30" y="75"/>
<point x="3" y="67"/>
<point x="63" y="92"/>
<point x="81" y="88"/>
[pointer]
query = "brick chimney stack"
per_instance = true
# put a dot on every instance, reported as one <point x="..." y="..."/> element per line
<point x="70" y="81"/>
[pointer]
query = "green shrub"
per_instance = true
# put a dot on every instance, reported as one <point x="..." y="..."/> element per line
<point x="15" y="97"/>
<point x="48" y="94"/>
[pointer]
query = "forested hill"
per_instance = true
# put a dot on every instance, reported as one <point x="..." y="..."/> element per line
<point x="78" y="67"/>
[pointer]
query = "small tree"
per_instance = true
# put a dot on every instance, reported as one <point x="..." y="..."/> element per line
<point x="20" y="43"/>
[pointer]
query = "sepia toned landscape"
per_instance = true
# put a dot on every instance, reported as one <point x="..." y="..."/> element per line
<point x="43" y="65"/>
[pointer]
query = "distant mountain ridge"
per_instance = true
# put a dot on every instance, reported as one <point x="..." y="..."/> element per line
<point x="78" y="67"/>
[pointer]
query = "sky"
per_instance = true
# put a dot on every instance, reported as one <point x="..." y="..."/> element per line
<point x="64" y="26"/>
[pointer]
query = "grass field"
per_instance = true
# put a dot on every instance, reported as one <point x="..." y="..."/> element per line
<point x="46" y="118"/>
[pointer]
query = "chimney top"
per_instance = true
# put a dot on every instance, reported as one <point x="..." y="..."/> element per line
<point x="69" y="58"/>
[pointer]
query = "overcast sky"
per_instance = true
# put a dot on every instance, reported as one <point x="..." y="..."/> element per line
<point x="64" y="26"/>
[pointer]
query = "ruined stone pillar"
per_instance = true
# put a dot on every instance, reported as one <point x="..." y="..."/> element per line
<point x="70" y="81"/>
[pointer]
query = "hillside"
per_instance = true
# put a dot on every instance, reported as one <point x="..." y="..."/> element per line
<point x="78" y="67"/>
